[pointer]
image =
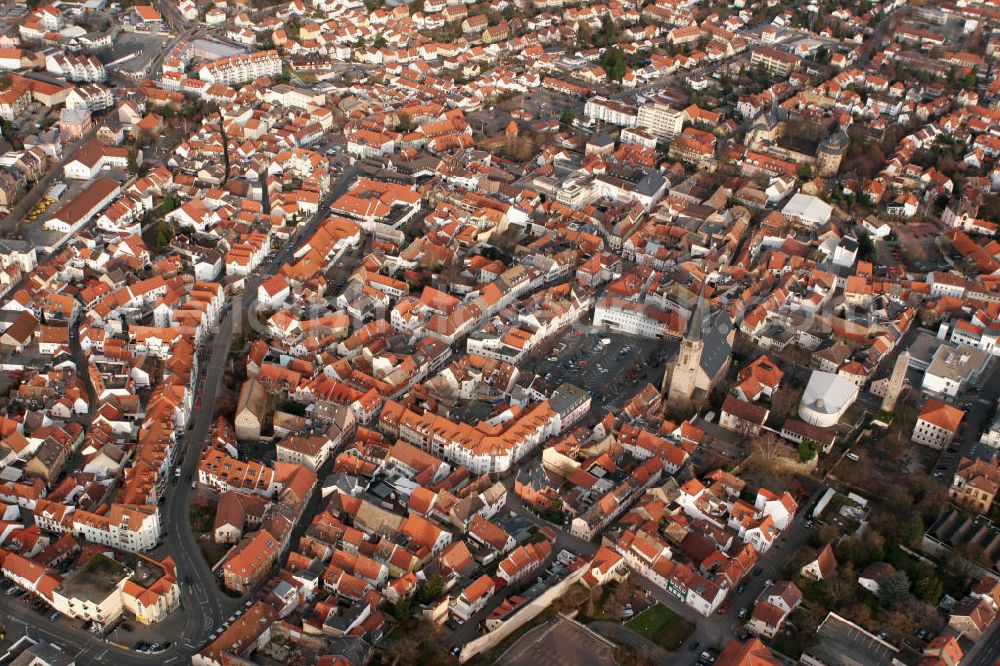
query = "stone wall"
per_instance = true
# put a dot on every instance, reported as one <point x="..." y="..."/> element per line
<point x="525" y="614"/>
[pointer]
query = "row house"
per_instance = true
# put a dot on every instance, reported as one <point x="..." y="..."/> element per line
<point x="241" y="68"/>
<point x="133" y="528"/>
<point x="72" y="67"/>
<point x="484" y="448"/>
<point x="224" y="473"/>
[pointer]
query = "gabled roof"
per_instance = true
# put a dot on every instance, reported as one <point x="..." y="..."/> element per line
<point x="751" y="653"/>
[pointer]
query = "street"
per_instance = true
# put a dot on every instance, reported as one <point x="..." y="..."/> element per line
<point x="83" y="646"/>
<point x="713" y="631"/>
<point x="205" y="607"/>
<point x="204" y="594"/>
<point x="717" y="630"/>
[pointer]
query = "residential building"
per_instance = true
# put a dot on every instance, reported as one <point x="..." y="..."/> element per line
<point x="937" y="424"/>
<point x="250" y="562"/>
<point x="976" y="483"/>
<point x="660" y="120"/>
<point x="134" y="528"/>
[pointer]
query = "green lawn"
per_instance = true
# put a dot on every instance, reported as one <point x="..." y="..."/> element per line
<point x="662" y="626"/>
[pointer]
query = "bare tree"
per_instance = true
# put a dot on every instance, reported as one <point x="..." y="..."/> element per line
<point x="405" y="650"/>
<point x="786" y="401"/>
<point x="594" y="600"/>
<point x="829" y="533"/>
<point x="619" y="596"/>
<point x="840" y="587"/>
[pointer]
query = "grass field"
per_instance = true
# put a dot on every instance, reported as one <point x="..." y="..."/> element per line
<point x="662" y="626"/>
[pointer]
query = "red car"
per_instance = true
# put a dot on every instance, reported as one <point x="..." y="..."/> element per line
<point x="724" y="608"/>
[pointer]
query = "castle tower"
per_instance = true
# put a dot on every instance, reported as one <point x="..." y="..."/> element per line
<point x="896" y="380"/>
<point x="684" y="378"/>
<point x="830" y="154"/>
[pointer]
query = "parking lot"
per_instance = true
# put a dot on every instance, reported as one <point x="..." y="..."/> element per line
<point x="342" y="270"/>
<point x="32" y="227"/>
<point x="132" y="52"/>
<point x="334" y="148"/>
<point x="978" y="410"/>
<point x="539" y="104"/>
<point x="611" y="365"/>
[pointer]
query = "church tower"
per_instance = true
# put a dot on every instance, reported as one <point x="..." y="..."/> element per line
<point x="896" y="379"/>
<point x="684" y="378"/>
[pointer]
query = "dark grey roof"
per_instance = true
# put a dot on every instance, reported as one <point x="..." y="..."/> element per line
<point x="697" y="322"/>
<point x="567" y="398"/>
<point x="766" y="118"/>
<point x="345" y="618"/>
<point x="515" y="525"/>
<point x="601" y="139"/>
<point x="843" y="643"/>
<point x="346" y="483"/>
<point x="651" y="183"/>
<point x="534" y="477"/>
<point x="712" y="330"/>
<point x="957" y="529"/>
<point x="849" y="243"/>
<point x="717" y="349"/>
<point x="836" y="141"/>
<point x="352" y="648"/>
<point x="41" y="653"/>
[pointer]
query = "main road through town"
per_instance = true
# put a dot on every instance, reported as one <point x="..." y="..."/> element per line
<point x="205" y="607"/>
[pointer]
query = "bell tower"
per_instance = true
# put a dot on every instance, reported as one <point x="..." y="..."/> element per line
<point x="896" y="379"/>
<point x="684" y="378"/>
